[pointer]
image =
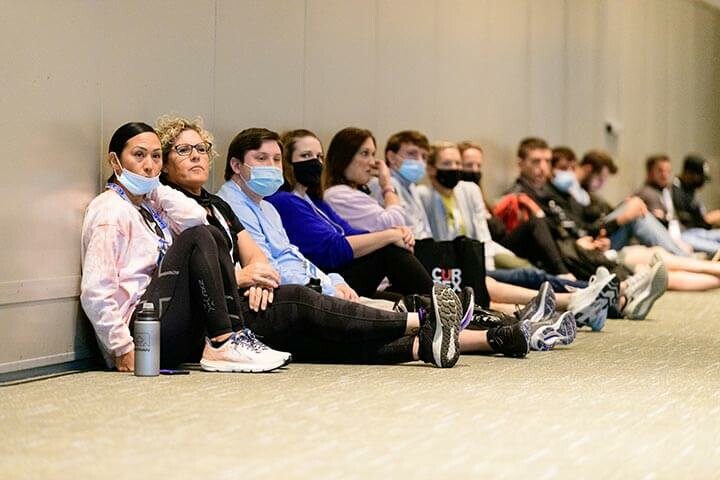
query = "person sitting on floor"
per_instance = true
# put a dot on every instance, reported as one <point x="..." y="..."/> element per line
<point x="254" y="171"/>
<point x="145" y="242"/>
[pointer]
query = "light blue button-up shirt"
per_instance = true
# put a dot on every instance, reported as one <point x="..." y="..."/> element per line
<point x="264" y="224"/>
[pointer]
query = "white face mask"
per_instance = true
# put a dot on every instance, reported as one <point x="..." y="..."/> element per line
<point x="136" y="184"/>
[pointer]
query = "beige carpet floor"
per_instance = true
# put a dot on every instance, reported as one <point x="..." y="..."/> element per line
<point x="640" y="400"/>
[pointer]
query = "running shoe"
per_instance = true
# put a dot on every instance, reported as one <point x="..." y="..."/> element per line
<point x="439" y="333"/>
<point x="644" y="288"/>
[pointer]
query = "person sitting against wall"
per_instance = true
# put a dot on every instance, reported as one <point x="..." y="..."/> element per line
<point x="145" y="242"/>
<point x="312" y="326"/>
<point x="349" y="166"/>
<point x="584" y="246"/>
<point x="532" y="239"/>
<point x="661" y="196"/>
<point x="406" y="155"/>
<point x="363" y="258"/>
<point x="254" y="171"/>
<point x="684" y="273"/>
<point x="629" y="220"/>
<point x="456" y="208"/>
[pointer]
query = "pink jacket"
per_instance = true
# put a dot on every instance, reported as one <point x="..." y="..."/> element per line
<point x="119" y="255"/>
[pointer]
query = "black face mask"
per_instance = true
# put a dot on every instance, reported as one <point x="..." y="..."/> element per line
<point x="308" y="172"/>
<point x="473" y="177"/>
<point x="448" y="178"/>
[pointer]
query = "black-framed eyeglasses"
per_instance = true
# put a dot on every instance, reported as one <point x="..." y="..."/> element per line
<point x="185" y="149"/>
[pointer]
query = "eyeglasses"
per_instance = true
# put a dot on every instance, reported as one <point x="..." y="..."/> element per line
<point x="185" y="149"/>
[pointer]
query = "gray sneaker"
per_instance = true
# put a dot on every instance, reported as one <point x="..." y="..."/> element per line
<point x="540" y="307"/>
<point x="560" y="330"/>
<point x="644" y="288"/>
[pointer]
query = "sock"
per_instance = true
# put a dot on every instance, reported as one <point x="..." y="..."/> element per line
<point x="218" y="344"/>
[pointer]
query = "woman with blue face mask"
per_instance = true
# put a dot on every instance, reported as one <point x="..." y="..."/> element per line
<point x="328" y="240"/>
<point x="143" y="242"/>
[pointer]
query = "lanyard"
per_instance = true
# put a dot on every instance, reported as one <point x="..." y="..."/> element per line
<point x="163" y="243"/>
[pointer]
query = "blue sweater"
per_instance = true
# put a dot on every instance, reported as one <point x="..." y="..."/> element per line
<point x="322" y="240"/>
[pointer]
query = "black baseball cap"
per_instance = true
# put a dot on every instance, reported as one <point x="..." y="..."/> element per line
<point x="697" y="164"/>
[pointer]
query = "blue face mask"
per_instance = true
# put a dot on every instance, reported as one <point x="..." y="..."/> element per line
<point x="412" y="170"/>
<point x="265" y="181"/>
<point x="137" y="184"/>
<point x="564" y="180"/>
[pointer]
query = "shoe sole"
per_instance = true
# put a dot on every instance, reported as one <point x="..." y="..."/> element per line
<point x="467" y="317"/>
<point x="234" y="367"/>
<point x="445" y="343"/>
<point x="595" y="314"/>
<point x="562" y="332"/>
<point x="639" y="309"/>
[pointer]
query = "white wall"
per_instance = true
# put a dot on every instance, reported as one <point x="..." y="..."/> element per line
<point x="492" y="71"/>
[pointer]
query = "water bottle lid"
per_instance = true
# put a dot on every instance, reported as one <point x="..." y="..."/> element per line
<point x="147" y="312"/>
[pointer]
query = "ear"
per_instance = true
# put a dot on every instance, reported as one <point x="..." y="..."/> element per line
<point x="235" y="164"/>
<point x="114" y="161"/>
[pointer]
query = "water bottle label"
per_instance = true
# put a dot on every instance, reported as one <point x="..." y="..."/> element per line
<point x="142" y="342"/>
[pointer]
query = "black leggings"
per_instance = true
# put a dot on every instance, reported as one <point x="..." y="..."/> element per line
<point x="195" y="294"/>
<point x="533" y="240"/>
<point x="405" y="272"/>
<point x="320" y="328"/>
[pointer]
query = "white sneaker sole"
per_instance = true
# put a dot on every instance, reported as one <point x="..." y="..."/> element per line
<point x="223" y="366"/>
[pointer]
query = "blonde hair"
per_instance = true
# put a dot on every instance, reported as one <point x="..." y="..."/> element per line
<point x="169" y="128"/>
<point x="438" y="147"/>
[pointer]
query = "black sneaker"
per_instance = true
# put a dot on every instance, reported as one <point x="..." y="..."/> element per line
<point x="413" y="303"/>
<point x="439" y="333"/>
<point x="510" y="340"/>
<point x="467" y="302"/>
<point x="484" y="319"/>
<point x="540" y="307"/>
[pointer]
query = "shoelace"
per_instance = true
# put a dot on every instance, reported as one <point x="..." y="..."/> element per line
<point x="247" y="339"/>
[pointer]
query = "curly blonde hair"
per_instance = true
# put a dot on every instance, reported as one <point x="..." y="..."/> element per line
<point x="169" y="128"/>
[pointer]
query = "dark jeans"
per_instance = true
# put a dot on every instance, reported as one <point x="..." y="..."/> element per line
<point x="319" y="328"/>
<point x="533" y="278"/>
<point x="195" y="294"/>
<point x="405" y="272"/>
<point x="533" y="240"/>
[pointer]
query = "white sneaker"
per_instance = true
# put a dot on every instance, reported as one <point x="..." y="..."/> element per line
<point x="242" y="352"/>
<point x="583" y="298"/>
<point x="644" y="288"/>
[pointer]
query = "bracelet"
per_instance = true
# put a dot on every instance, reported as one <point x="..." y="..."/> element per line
<point x="388" y="189"/>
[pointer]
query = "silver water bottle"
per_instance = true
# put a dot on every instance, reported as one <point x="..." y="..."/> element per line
<point x="147" y="342"/>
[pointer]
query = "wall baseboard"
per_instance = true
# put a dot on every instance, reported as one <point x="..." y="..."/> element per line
<point x="48" y="371"/>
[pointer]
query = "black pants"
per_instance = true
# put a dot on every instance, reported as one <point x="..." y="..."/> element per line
<point x="195" y="294"/>
<point x="405" y="272"/>
<point x="320" y="328"/>
<point x="533" y="240"/>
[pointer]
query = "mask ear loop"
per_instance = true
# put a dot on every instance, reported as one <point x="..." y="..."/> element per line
<point x="114" y="155"/>
<point x="238" y="170"/>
